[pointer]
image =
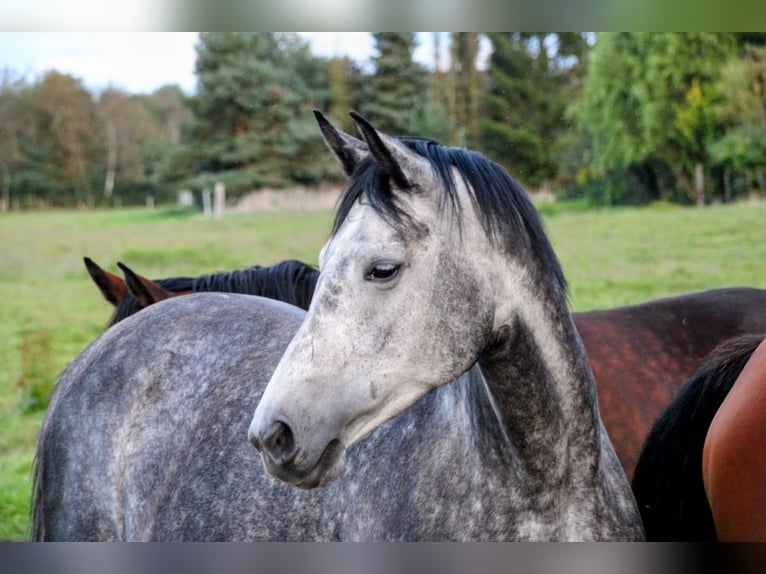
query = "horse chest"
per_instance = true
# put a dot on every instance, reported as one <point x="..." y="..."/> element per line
<point x="436" y="489"/>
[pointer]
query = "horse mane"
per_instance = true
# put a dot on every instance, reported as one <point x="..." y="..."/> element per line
<point x="667" y="481"/>
<point x="290" y="281"/>
<point x="506" y="212"/>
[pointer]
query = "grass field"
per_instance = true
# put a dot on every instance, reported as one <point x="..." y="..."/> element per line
<point x="50" y="309"/>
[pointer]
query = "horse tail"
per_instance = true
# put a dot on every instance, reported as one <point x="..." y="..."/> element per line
<point x="37" y="511"/>
<point x="667" y="481"/>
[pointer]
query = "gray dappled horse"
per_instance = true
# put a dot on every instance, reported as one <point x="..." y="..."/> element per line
<point x="440" y="301"/>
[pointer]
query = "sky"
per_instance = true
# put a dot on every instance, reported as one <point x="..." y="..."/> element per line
<point x="140" y="62"/>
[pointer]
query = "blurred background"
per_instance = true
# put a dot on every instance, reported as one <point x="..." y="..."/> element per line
<point x="614" y="118"/>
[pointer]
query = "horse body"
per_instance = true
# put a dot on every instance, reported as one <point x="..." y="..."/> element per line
<point x="480" y="423"/>
<point x="148" y="435"/>
<point x="668" y="481"/>
<point x="733" y="461"/>
<point x="642" y="354"/>
<point x="190" y="474"/>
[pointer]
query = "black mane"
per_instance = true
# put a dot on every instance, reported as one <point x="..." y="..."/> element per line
<point x="507" y="214"/>
<point x="290" y="281"/>
<point x="667" y="482"/>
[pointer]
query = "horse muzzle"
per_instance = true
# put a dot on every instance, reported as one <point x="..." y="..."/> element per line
<point x="283" y="458"/>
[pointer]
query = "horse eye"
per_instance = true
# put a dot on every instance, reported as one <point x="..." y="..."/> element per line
<point x="382" y="272"/>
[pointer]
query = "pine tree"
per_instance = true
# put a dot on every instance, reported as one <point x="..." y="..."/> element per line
<point x="464" y="49"/>
<point x="345" y="79"/>
<point x="530" y="77"/>
<point x="252" y="113"/>
<point x="396" y="94"/>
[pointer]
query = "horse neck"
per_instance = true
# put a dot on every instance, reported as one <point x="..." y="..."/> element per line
<point x="542" y="387"/>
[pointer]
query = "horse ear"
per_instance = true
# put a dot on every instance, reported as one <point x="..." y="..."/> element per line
<point x="349" y="150"/>
<point x="112" y="286"/>
<point x="393" y="157"/>
<point x="144" y="290"/>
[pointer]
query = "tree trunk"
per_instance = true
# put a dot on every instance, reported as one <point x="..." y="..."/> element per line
<point x="761" y="182"/>
<point x="699" y="184"/>
<point x="438" y="78"/>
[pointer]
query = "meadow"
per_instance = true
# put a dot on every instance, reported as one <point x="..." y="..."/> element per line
<point x="50" y="310"/>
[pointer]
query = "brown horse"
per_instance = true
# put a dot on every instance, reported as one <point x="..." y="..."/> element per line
<point x="734" y="457"/>
<point x="640" y="354"/>
<point x="701" y="476"/>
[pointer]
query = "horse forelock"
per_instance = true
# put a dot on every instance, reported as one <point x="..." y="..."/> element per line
<point x="507" y="215"/>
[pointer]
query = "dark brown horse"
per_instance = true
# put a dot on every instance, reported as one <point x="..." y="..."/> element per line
<point x="640" y="354"/>
<point x="734" y="457"/>
<point x="701" y="476"/>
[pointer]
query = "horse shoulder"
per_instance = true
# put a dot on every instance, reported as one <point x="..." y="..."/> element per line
<point x="733" y="463"/>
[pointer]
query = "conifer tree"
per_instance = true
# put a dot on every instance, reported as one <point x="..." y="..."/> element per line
<point x="530" y="76"/>
<point x="397" y="94"/>
<point x="253" y="124"/>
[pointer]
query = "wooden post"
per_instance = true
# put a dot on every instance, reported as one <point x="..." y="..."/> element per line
<point x="185" y="198"/>
<point x="6" y="195"/>
<point x="206" y="207"/>
<point x="219" y="202"/>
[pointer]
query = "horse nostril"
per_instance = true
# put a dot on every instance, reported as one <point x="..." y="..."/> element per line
<point x="279" y="443"/>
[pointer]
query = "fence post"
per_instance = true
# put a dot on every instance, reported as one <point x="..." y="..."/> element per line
<point x="185" y="198"/>
<point x="206" y="209"/>
<point x="220" y="200"/>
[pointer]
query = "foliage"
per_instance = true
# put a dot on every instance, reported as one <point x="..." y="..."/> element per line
<point x="61" y="146"/>
<point x="622" y="118"/>
<point x="252" y="123"/>
<point x="530" y="79"/>
<point x="463" y="99"/>
<point x="345" y="79"/>
<point x="742" y="147"/>
<point x="741" y="151"/>
<point x="636" y="86"/>
<point x="398" y="97"/>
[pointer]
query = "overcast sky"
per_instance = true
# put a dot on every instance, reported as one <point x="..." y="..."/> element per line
<point x="140" y="62"/>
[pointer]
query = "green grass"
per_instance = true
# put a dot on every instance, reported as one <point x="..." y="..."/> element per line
<point x="50" y="309"/>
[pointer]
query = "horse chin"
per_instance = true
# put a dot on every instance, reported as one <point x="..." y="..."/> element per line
<point x="329" y="467"/>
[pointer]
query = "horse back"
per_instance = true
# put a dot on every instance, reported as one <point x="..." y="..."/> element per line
<point x="108" y="462"/>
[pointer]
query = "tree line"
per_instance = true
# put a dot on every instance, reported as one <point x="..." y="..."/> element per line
<point x="617" y="118"/>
